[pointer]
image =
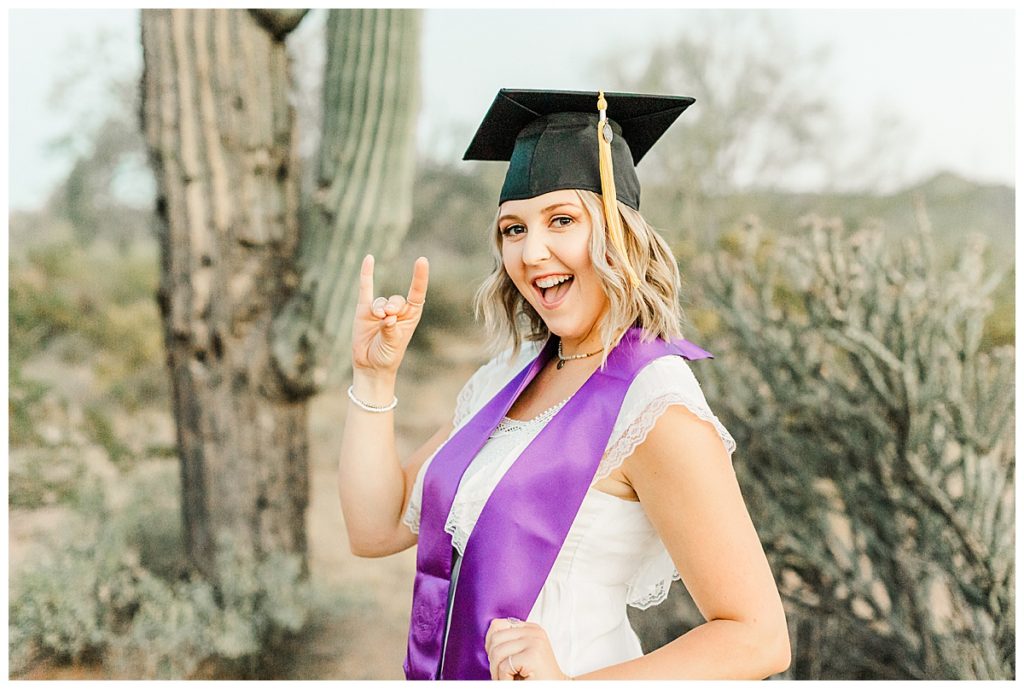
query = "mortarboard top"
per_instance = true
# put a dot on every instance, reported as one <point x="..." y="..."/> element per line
<point x="550" y="139"/>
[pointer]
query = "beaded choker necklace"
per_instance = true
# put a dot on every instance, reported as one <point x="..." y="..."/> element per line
<point x="563" y="359"/>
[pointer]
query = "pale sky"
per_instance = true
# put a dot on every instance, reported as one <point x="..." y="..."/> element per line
<point x="946" y="74"/>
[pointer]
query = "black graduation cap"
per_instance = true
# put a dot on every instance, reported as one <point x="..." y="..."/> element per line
<point x="550" y="139"/>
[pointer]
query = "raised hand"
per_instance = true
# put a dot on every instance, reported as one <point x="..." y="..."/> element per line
<point x="384" y="326"/>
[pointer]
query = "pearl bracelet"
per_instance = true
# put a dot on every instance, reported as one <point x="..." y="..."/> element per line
<point x="371" y="407"/>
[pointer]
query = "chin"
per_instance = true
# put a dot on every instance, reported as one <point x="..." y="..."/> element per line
<point x="564" y="331"/>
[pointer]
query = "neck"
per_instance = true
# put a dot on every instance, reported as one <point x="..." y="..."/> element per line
<point x="581" y="345"/>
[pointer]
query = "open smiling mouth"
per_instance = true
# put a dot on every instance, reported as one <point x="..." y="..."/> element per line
<point x="552" y="296"/>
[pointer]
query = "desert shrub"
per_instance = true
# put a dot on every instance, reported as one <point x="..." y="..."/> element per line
<point x="102" y="432"/>
<point x="43" y="476"/>
<point x="23" y="402"/>
<point x="876" y="445"/>
<point x="175" y="626"/>
<point x="105" y="587"/>
<point x="40" y="309"/>
<point x="100" y="306"/>
<point x="55" y="601"/>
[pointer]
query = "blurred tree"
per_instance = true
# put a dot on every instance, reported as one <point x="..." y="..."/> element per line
<point x="758" y="112"/>
<point x="107" y="193"/>
<point x="255" y="312"/>
<point x="764" y="117"/>
<point x="87" y="198"/>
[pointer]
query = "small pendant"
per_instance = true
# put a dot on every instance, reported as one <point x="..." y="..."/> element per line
<point x="561" y="363"/>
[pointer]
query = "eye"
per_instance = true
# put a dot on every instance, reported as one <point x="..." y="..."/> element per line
<point x="512" y="230"/>
<point x="562" y="220"/>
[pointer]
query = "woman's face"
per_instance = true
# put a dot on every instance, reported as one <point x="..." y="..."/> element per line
<point x="545" y="238"/>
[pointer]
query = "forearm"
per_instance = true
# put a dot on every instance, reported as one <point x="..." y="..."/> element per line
<point x="371" y="484"/>
<point x="718" y="649"/>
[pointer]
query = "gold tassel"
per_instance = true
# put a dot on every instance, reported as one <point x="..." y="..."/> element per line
<point x="611" y="210"/>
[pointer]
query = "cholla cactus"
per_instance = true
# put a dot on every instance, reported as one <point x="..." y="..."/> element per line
<point x="876" y="446"/>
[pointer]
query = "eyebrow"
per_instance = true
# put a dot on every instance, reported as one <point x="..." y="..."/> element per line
<point x="553" y="206"/>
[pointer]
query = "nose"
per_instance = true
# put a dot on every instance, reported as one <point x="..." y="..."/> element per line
<point x="535" y="247"/>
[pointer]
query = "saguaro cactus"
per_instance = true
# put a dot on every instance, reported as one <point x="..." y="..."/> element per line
<point x="220" y="132"/>
<point x="363" y="197"/>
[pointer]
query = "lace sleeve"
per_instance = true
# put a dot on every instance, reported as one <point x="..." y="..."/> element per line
<point x="464" y="402"/>
<point x="665" y="382"/>
<point x="411" y="517"/>
<point x="479" y="387"/>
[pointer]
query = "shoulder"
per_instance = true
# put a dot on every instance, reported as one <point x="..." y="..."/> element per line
<point x="667" y="375"/>
<point x="673" y="365"/>
<point x="681" y="449"/>
<point x="665" y="408"/>
<point x="680" y="437"/>
<point x="505" y="365"/>
<point x="673" y="379"/>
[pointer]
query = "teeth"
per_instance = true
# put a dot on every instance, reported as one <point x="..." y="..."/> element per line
<point x="544" y="283"/>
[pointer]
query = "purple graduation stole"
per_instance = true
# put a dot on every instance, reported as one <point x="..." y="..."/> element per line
<point x="524" y="523"/>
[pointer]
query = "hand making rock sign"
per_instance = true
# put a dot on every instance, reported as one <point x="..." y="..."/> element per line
<point x="384" y="326"/>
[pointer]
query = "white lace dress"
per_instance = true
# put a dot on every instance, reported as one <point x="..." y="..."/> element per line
<point x="612" y="556"/>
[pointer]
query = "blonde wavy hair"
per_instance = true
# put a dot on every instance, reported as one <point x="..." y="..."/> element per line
<point x="653" y="305"/>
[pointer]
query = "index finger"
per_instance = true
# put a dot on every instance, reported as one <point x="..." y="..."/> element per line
<point x="366" y="280"/>
<point x="420" y="275"/>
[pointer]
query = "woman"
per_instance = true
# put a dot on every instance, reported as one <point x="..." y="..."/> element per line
<point x="583" y="470"/>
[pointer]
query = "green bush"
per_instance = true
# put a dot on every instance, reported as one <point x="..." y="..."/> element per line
<point x="96" y="591"/>
<point x="101" y="431"/>
<point x="39" y="308"/>
<point x="43" y="476"/>
<point x="56" y="601"/>
<point x="176" y="626"/>
<point x="89" y="307"/>
<point x="23" y="400"/>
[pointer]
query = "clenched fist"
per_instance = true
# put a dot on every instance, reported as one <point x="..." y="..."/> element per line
<point x="520" y="650"/>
